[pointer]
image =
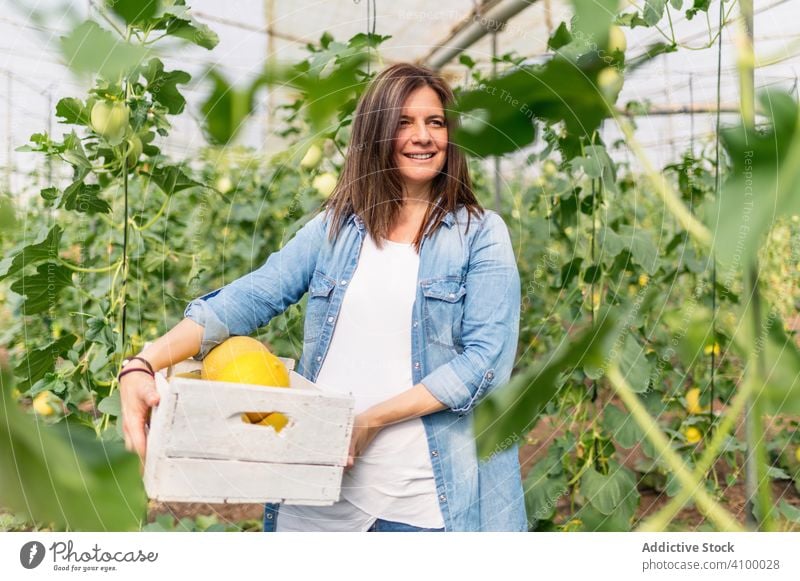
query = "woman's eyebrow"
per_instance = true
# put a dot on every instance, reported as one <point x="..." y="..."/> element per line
<point x="438" y="115"/>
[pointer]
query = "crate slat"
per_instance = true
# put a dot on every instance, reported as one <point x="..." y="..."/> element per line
<point x="208" y="424"/>
<point x="227" y="481"/>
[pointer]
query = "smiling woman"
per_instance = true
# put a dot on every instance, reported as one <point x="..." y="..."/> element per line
<point x="421" y="142"/>
<point x="402" y="173"/>
<point x="413" y="309"/>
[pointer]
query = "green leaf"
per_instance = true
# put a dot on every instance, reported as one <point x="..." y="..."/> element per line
<point x="622" y="427"/>
<point x="481" y="134"/>
<point x="361" y="40"/>
<point x="596" y="163"/>
<point x="569" y="271"/>
<point x="514" y="408"/>
<point x="699" y="6"/>
<point x="610" y="493"/>
<point x="45" y="247"/>
<point x="226" y="108"/>
<point x="50" y="382"/>
<point x="562" y="90"/>
<point x="41" y="290"/>
<point x="631" y="19"/>
<point x="42" y="144"/>
<point x="465" y="60"/>
<point x="590" y="165"/>
<point x="763" y="184"/>
<point x="134" y="11"/>
<point x="111" y="405"/>
<point x="188" y="29"/>
<point x="593" y="273"/>
<point x="777" y="473"/>
<point x="543" y="488"/>
<point x="644" y="251"/>
<point x="76" y="157"/>
<point x="653" y="11"/>
<point x="634" y="365"/>
<point x="171" y="179"/>
<point x="72" y="111"/>
<point x="790" y="512"/>
<point x="38" y="362"/>
<point x="85" y="198"/>
<point x="163" y="85"/>
<point x="611" y="243"/>
<point x="652" y="51"/>
<point x="91" y="49"/>
<point x="592" y="19"/>
<point x="592" y="520"/>
<point x="561" y="37"/>
<point x="102" y="332"/>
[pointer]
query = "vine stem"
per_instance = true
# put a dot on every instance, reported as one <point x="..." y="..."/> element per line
<point x="758" y="483"/>
<point x="154" y="219"/>
<point x="77" y="268"/>
<point x="125" y="269"/>
<point x="721" y="518"/>
<point x="108" y="20"/>
<point x="113" y="297"/>
<point x="671" y="28"/>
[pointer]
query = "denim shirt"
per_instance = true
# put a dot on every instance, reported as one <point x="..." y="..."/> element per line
<point x="465" y="327"/>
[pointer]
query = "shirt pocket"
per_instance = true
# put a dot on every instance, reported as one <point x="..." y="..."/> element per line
<point x="320" y="292"/>
<point x="443" y="310"/>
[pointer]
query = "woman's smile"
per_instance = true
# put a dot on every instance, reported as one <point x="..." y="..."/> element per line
<point x="421" y="139"/>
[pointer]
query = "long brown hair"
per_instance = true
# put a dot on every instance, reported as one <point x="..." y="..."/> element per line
<point x="370" y="184"/>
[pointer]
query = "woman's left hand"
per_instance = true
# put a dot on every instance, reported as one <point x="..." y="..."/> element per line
<point x="364" y="431"/>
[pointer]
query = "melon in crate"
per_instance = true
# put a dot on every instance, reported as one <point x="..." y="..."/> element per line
<point x="246" y="360"/>
<point x="203" y="447"/>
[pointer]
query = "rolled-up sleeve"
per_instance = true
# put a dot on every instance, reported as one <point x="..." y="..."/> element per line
<point x="490" y="325"/>
<point x="250" y="302"/>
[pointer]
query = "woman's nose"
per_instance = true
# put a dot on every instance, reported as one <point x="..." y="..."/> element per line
<point x="420" y="134"/>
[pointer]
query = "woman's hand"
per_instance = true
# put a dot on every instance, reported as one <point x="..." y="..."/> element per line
<point x="364" y="431"/>
<point x="138" y="394"/>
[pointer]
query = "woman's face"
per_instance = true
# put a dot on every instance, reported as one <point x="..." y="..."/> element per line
<point x="420" y="147"/>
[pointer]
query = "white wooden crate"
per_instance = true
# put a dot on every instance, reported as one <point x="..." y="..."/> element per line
<point x="199" y="450"/>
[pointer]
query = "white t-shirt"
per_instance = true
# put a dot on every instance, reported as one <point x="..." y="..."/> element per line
<point x="370" y="358"/>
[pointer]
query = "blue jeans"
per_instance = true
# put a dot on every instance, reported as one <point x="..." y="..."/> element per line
<point x="388" y="526"/>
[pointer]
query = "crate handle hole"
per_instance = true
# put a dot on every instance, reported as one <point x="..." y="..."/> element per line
<point x="275" y="420"/>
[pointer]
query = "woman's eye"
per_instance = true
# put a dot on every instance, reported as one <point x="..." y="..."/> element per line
<point x="405" y="123"/>
<point x="438" y="123"/>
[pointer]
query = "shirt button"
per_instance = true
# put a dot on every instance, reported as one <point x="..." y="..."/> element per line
<point x="344" y="282"/>
<point x="415" y="323"/>
<point x="319" y="357"/>
<point x="442" y="497"/>
<point x="452" y="295"/>
<point x="269" y="516"/>
<point x="330" y="319"/>
<point x="434" y="453"/>
<point x="416" y="365"/>
<point x="490" y="375"/>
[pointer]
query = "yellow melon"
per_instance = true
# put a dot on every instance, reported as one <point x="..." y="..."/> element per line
<point x="246" y="360"/>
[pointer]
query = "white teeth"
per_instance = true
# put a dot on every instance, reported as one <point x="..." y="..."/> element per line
<point x="419" y="155"/>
